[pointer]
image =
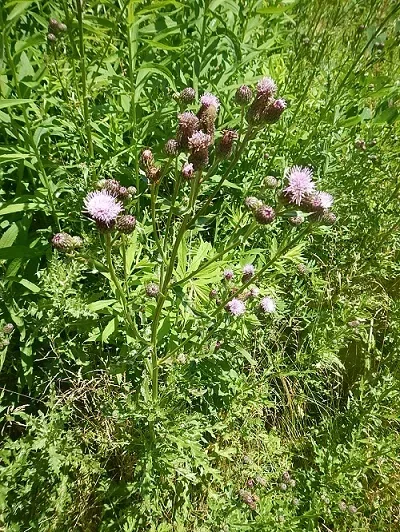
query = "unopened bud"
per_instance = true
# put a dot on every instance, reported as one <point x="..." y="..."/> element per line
<point x="126" y="224"/>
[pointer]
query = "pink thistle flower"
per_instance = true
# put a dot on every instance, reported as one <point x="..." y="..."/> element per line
<point x="322" y="200"/>
<point x="199" y="141"/>
<point x="266" y="87"/>
<point x="228" y="275"/>
<point x="236" y="307"/>
<point x="188" y="170"/>
<point x="267" y="305"/>
<point x="209" y="99"/>
<point x="102" y="207"/>
<point x="248" y="272"/>
<point x="300" y="183"/>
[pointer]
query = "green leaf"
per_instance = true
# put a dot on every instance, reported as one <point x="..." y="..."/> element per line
<point x="8" y="238"/>
<point x="98" y="305"/>
<point x="146" y="69"/>
<point x="18" y="10"/>
<point x="29" y="285"/>
<point x="109" y="329"/>
<point x="15" y="252"/>
<point x="7" y="157"/>
<point x="23" y="203"/>
<point x="5" y="103"/>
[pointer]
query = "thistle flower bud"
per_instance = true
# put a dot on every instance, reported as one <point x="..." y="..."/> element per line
<point x="248" y="272"/>
<point x="248" y="498"/>
<point x="198" y="144"/>
<point x="272" y="112"/>
<point x="123" y="193"/>
<point x="228" y="275"/>
<point x="252" y="203"/>
<point x="209" y="100"/>
<point x="352" y="509"/>
<point x="283" y="486"/>
<point x="270" y="182"/>
<point x="296" y="220"/>
<point x="8" y="328"/>
<point x="188" y="95"/>
<point x="132" y="191"/>
<point x="207" y="116"/>
<point x="292" y="483"/>
<point x="328" y="218"/>
<point x="266" y="87"/>
<point x="342" y="506"/>
<point x="181" y="358"/>
<point x="112" y="186"/>
<point x="188" y="171"/>
<point x="63" y="242"/>
<point x="147" y="158"/>
<point x="153" y="174"/>
<point x="126" y="224"/>
<point x="302" y="269"/>
<point x="264" y="214"/>
<point x="360" y="144"/>
<point x="317" y="202"/>
<point x="62" y="27"/>
<point x="213" y="293"/>
<point x="53" y="24"/>
<point x="152" y="290"/>
<point x="171" y="147"/>
<point x="286" y="476"/>
<point x="236" y="307"/>
<point x="225" y="144"/>
<point x="188" y="125"/>
<point x="51" y="38"/>
<point x="243" y="95"/>
<point x="295" y="501"/>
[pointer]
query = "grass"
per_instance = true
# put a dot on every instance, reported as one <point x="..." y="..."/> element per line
<point x="280" y="422"/>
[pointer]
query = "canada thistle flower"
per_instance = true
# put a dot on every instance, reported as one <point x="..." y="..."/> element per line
<point x="252" y="203"/>
<point x="248" y="272"/>
<point x="126" y="224"/>
<point x="273" y="111"/>
<point x="264" y="214"/>
<point x="270" y="182"/>
<point x="321" y="201"/>
<point x="171" y="147"/>
<point x="208" y="100"/>
<point x="267" y="305"/>
<point x="147" y="157"/>
<point x="266" y="87"/>
<point x="152" y="290"/>
<point x="225" y="144"/>
<point x="63" y="242"/>
<point x="188" y="171"/>
<point x="188" y="123"/>
<point x="103" y="208"/>
<point x="300" y="183"/>
<point x="228" y="275"/>
<point x="243" y="95"/>
<point x="296" y="220"/>
<point x="187" y="95"/>
<point x="199" y="141"/>
<point x="236" y="307"/>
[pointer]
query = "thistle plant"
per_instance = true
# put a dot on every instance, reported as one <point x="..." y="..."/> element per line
<point x="197" y="154"/>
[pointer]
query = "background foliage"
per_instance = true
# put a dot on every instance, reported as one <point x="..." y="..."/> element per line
<point x="314" y="390"/>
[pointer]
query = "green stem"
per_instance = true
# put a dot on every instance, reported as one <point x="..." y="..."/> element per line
<point x="83" y="79"/>
<point x="154" y="221"/>
<point x="119" y="290"/>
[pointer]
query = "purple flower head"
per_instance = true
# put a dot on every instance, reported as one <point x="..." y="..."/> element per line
<point x="188" y="170"/>
<point x="252" y="203"/>
<point x="102" y="207"/>
<point x="322" y="200"/>
<point x="199" y="141"/>
<point x="188" y="120"/>
<point x="267" y="305"/>
<point x="236" y="307"/>
<point x="147" y="157"/>
<point x="266" y="87"/>
<point x="209" y="99"/>
<point x="228" y="275"/>
<point x="279" y="104"/>
<point x="264" y="214"/>
<point x="248" y="272"/>
<point x="300" y="183"/>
